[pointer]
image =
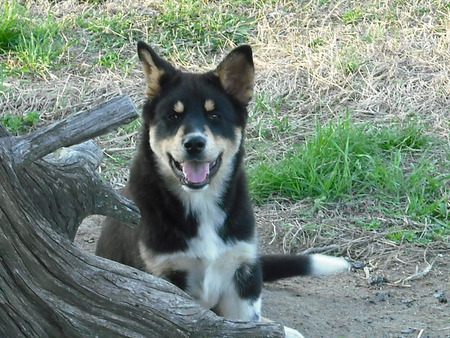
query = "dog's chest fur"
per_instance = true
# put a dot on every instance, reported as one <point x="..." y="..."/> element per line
<point x="209" y="261"/>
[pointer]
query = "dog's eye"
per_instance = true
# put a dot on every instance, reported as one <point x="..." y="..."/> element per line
<point x="173" y="116"/>
<point x="213" y="116"/>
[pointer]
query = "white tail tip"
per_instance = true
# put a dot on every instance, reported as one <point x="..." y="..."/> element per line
<point x="328" y="265"/>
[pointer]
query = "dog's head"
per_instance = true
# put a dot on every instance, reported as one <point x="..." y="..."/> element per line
<point x="195" y="122"/>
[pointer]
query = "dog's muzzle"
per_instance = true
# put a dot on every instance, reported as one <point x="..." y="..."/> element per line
<point x="195" y="174"/>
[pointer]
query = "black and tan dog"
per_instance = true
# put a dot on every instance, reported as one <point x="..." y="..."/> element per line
<point x="197" y="227"/>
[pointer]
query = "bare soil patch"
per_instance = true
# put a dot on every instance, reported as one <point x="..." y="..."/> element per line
<point x="385" y="301"/>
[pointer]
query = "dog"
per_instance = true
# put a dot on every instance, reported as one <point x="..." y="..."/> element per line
<point x="197" y="227"/>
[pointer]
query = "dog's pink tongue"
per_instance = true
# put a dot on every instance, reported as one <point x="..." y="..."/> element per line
<point x="195" y="172"/>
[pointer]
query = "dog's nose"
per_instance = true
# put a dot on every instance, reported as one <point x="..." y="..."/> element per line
<point x="194" y="144"/>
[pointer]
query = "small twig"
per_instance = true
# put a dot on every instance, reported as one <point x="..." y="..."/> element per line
<point x="420" y="333"/>
<point x="319" y="249"/>
<point x="418" y="274"/>
<point x="274" y="234"/>
<point x="425" y="256"/>
<point x="403" y="262"/>
<point x="118" y="150"/>
<point x="367" y="272"/>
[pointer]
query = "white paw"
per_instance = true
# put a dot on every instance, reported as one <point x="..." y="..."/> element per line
<point x="291" y="333"/>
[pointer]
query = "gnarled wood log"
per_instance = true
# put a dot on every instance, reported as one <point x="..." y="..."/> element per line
<point x="50" y="287"/>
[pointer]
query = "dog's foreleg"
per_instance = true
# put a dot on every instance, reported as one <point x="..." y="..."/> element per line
<point x="288" y="332"/>
<point x="241" y="297"/>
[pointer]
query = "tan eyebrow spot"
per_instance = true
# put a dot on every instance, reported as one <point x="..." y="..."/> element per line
<point x="178" y="107"/>
<point x="209" y="105"/>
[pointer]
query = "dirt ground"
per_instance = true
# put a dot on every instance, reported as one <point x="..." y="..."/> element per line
<point x="397" y="296"/>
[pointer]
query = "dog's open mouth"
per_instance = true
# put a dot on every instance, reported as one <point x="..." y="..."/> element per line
<point x="195" y="174"/>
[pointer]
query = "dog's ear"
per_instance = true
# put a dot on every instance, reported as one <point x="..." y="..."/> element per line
<point x="154" y="68"/>
<point x="236" y="73"/>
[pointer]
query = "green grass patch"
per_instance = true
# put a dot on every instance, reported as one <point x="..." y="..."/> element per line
<point x="352" y="16"/>
<point x="32" y="43"/>
<point x="110" y="36"/>
<point x="178" y="29"/>
<point x="189" y="24"/>
<point x="274" y="121"/>
<point x="109" y="31"/>
<point x="19" y="124"/>
<point x="10" y="20"/>
<point x="348" y="161"/>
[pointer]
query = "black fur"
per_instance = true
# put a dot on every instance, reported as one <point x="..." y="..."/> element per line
<point x="284" y="266"/>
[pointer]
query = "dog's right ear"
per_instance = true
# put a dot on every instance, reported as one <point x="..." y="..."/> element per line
<point x="236" y="73"/>
<point x="154" y="68"/>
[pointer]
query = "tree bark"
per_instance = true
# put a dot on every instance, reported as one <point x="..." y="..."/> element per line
<point x="50" y="287"/>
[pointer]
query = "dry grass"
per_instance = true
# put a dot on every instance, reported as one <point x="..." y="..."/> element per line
<point x="339" y="229"/>
<point x="382" y="62"/>
<point x="380" y="69"/>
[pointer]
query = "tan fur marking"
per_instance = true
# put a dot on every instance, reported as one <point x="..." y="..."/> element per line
<point x="178" y="107"/>
<point x="161" y="265"/>
<point x="152" y="74"/>
<point x="209" y="105"/>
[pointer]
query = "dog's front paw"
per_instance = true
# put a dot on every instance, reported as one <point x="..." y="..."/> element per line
<point x="291" y="333"/>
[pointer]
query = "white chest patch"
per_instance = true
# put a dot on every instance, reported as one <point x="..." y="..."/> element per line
<point x="210" y="263"/>
<point x="207" y="244"/>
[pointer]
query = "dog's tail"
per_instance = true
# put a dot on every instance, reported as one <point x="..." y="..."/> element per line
<point x="283" y="266"/>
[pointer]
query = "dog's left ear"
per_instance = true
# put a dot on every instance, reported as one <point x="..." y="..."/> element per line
<point x="155" y="68"/>
<point x="237" y="72"/>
